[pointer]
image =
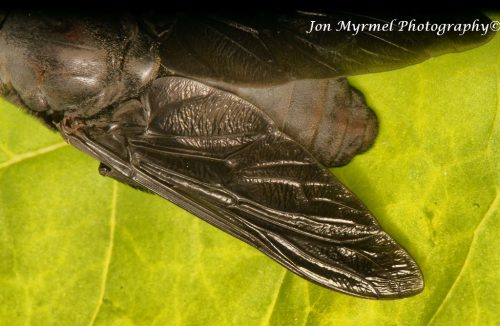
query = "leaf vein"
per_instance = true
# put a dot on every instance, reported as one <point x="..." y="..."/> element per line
<point x="494" y="203"/>
<point x="272" y="306"/>
<point x="109" y="252"/>
<point x="6" y="151"/>
<point x="29" y="155"/>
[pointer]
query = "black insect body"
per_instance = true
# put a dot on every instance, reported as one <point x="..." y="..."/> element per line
<point x="231" y="118"/>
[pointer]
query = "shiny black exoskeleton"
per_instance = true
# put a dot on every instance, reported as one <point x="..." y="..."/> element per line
<point x="231" y="117"/>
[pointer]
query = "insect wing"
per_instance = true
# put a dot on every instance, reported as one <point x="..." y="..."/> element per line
<point x="222" y="159"/>
<point x="267" y="48"/>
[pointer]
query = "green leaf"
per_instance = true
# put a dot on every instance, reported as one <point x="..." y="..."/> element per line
<point x="77" y="248"/>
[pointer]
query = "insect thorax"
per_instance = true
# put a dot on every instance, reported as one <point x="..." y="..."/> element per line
<point x="68" y="63"/>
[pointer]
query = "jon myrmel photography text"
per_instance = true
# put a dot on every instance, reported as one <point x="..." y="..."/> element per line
<point x="403" y="26"/>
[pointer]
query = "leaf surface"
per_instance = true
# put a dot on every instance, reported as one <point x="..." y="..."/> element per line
<point x="80" y="249"/>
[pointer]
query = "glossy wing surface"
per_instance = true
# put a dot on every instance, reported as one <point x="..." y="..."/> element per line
<point x="222" y="159"/>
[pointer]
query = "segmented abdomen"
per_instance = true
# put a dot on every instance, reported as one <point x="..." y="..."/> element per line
<point x="327" y="116"/>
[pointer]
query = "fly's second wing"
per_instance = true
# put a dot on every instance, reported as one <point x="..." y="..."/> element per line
<point x="270" y="48"/>
<point x="222" y="159"/>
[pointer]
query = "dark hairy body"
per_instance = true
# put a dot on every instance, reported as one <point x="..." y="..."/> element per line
<point x="231" y="117"/>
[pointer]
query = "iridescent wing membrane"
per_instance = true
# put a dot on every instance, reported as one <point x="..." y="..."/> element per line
<point x="222" y="159"/>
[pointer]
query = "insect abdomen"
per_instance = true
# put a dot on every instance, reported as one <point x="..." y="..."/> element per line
<point x="327" y="116"/>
